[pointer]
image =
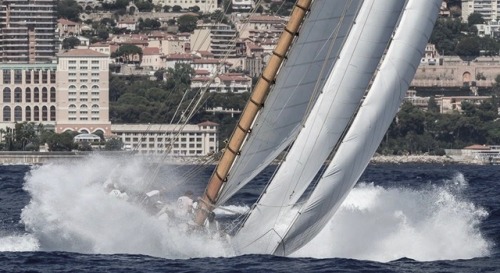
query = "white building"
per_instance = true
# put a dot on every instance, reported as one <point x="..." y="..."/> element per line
<point x="83" y="92"/>
<point x="242" y="5"/>
<point x="219" y="39"/>
<point x="190" y="140"/>
<point x="487" y="8"/>
<point x="224" y="83"/>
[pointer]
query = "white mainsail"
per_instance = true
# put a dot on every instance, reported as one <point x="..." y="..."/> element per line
<point x="325" y="125"/>
<point x="369" y="126"/>
<point x="309" y="63"/>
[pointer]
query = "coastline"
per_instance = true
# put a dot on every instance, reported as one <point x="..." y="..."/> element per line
<point x="35" y="158"/>
<point x="424" y="159"/>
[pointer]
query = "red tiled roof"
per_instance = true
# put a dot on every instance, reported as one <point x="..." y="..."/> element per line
<point x="477" y="147"/>
<point x="208" y="123"/>
<point x="202" y="72"/>
<point x="151" y="51"/>
<point x="66" y="22"/>
<point x="178" y="56"/>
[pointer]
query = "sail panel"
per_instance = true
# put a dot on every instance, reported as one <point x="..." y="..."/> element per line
<point x="368" y="128"/>
<point x="309" y="62"/>
<point x="329" y="118"/>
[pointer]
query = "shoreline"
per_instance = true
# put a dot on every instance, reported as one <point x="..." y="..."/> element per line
<point x="424" y="159"/>
<point x="36" y="158"/>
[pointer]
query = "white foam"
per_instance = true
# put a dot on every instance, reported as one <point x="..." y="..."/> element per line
<point x="25" y="242"/>
<point x="70" y="210"/>
<point x="380" y="224"/>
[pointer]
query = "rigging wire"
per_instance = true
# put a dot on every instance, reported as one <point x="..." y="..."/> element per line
<point x="199" y="102"/>
<point x="317" y="89"/>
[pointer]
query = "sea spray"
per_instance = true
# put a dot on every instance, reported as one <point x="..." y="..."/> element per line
<point x="431" y="223"/>
<point x="71" y="210"/>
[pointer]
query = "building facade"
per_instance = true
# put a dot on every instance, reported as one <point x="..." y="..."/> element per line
<point x="28" y="93"/>
<point x="83" y="92"/>
<point x="191" y="140"/>
<point x="487" y="8"/>
<point x="219" y="39"/>
<point x="27" y="31"/>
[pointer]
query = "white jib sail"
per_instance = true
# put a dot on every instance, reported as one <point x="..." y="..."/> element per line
<point x="309" y="63"/>
<point x="368" y="128"/>
<point x="326" y="123"/>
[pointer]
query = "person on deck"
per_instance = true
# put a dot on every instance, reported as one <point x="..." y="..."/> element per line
<point x="185" y="205"/>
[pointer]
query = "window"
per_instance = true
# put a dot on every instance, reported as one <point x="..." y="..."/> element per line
<point x="6" y="113"/>
<point x="53" y="77"/>
<point x="72" y="68"/>
<point x="6" y="76"/>
<point x="18" y="113"/>
<point x="36" y="113"/>
<point x="45" y="94"/>
<point x="95" y="68"/>
<point x="84" y="62"/>
<point x="36" y="94"/>
<point x="84" y="68"/>
<point x="6" y="95"/>
<point x="72" y="62"/>
<point x="44" y="77"/>
<point x="28" y="76"/>
<point x="18" y="76"/>
<point x="28" y="94"/>
<point x="52" y="113"/>
<point x="28" y="113"/>
<point x="18" y="95"/>
<point x="44" y="113"/>
<point x="95" y="62"/>
<point x="52" y="94"/>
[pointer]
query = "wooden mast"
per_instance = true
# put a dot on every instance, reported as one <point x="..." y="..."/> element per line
<point x="259" y="94"/>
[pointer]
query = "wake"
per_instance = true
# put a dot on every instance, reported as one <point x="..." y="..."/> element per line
<point x="71" y="210"/>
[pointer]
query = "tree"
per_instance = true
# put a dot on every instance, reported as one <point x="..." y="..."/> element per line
<point x="475" y="18"/>
<point x="69" y="9"/>
<point x="114" y="144"/>
<point x="61" y="142"/>
<point x="432" y="105"/>
<point x="128" y="52"/>
<point x="166" y="8"/>
<point x="194" y="9"/>
<point x="187" y="23"/>
<point x="176" y="8"/>
<point x="70" y="42"/>
<point x="468" y="47"/>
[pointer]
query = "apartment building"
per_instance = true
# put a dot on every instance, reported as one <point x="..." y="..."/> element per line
<point x="190" y="140"/>
<point x="219" y="39"/>
<point x="83" y="92"/>
<point x="27" y="31"/>
<point x="489" y="9"/>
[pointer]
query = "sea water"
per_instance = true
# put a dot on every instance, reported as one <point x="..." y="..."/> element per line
<point x="410" y="217"/>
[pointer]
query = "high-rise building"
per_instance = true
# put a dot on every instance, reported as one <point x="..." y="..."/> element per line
<point x="489" y="9"/>
<point x="83" y="92"/>
<point x="219" y="39"/>
<point x="27" y="31"/>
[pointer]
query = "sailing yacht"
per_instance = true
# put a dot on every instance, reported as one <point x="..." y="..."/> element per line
<point x="329" y="93"/>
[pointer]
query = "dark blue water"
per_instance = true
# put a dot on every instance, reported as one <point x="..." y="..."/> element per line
<point x="482" y="190"/>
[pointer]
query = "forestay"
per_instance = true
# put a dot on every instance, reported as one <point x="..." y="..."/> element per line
<point x="309" y="63"/>
<point x="369" y="126"/>
<point x="326" y="123"/>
